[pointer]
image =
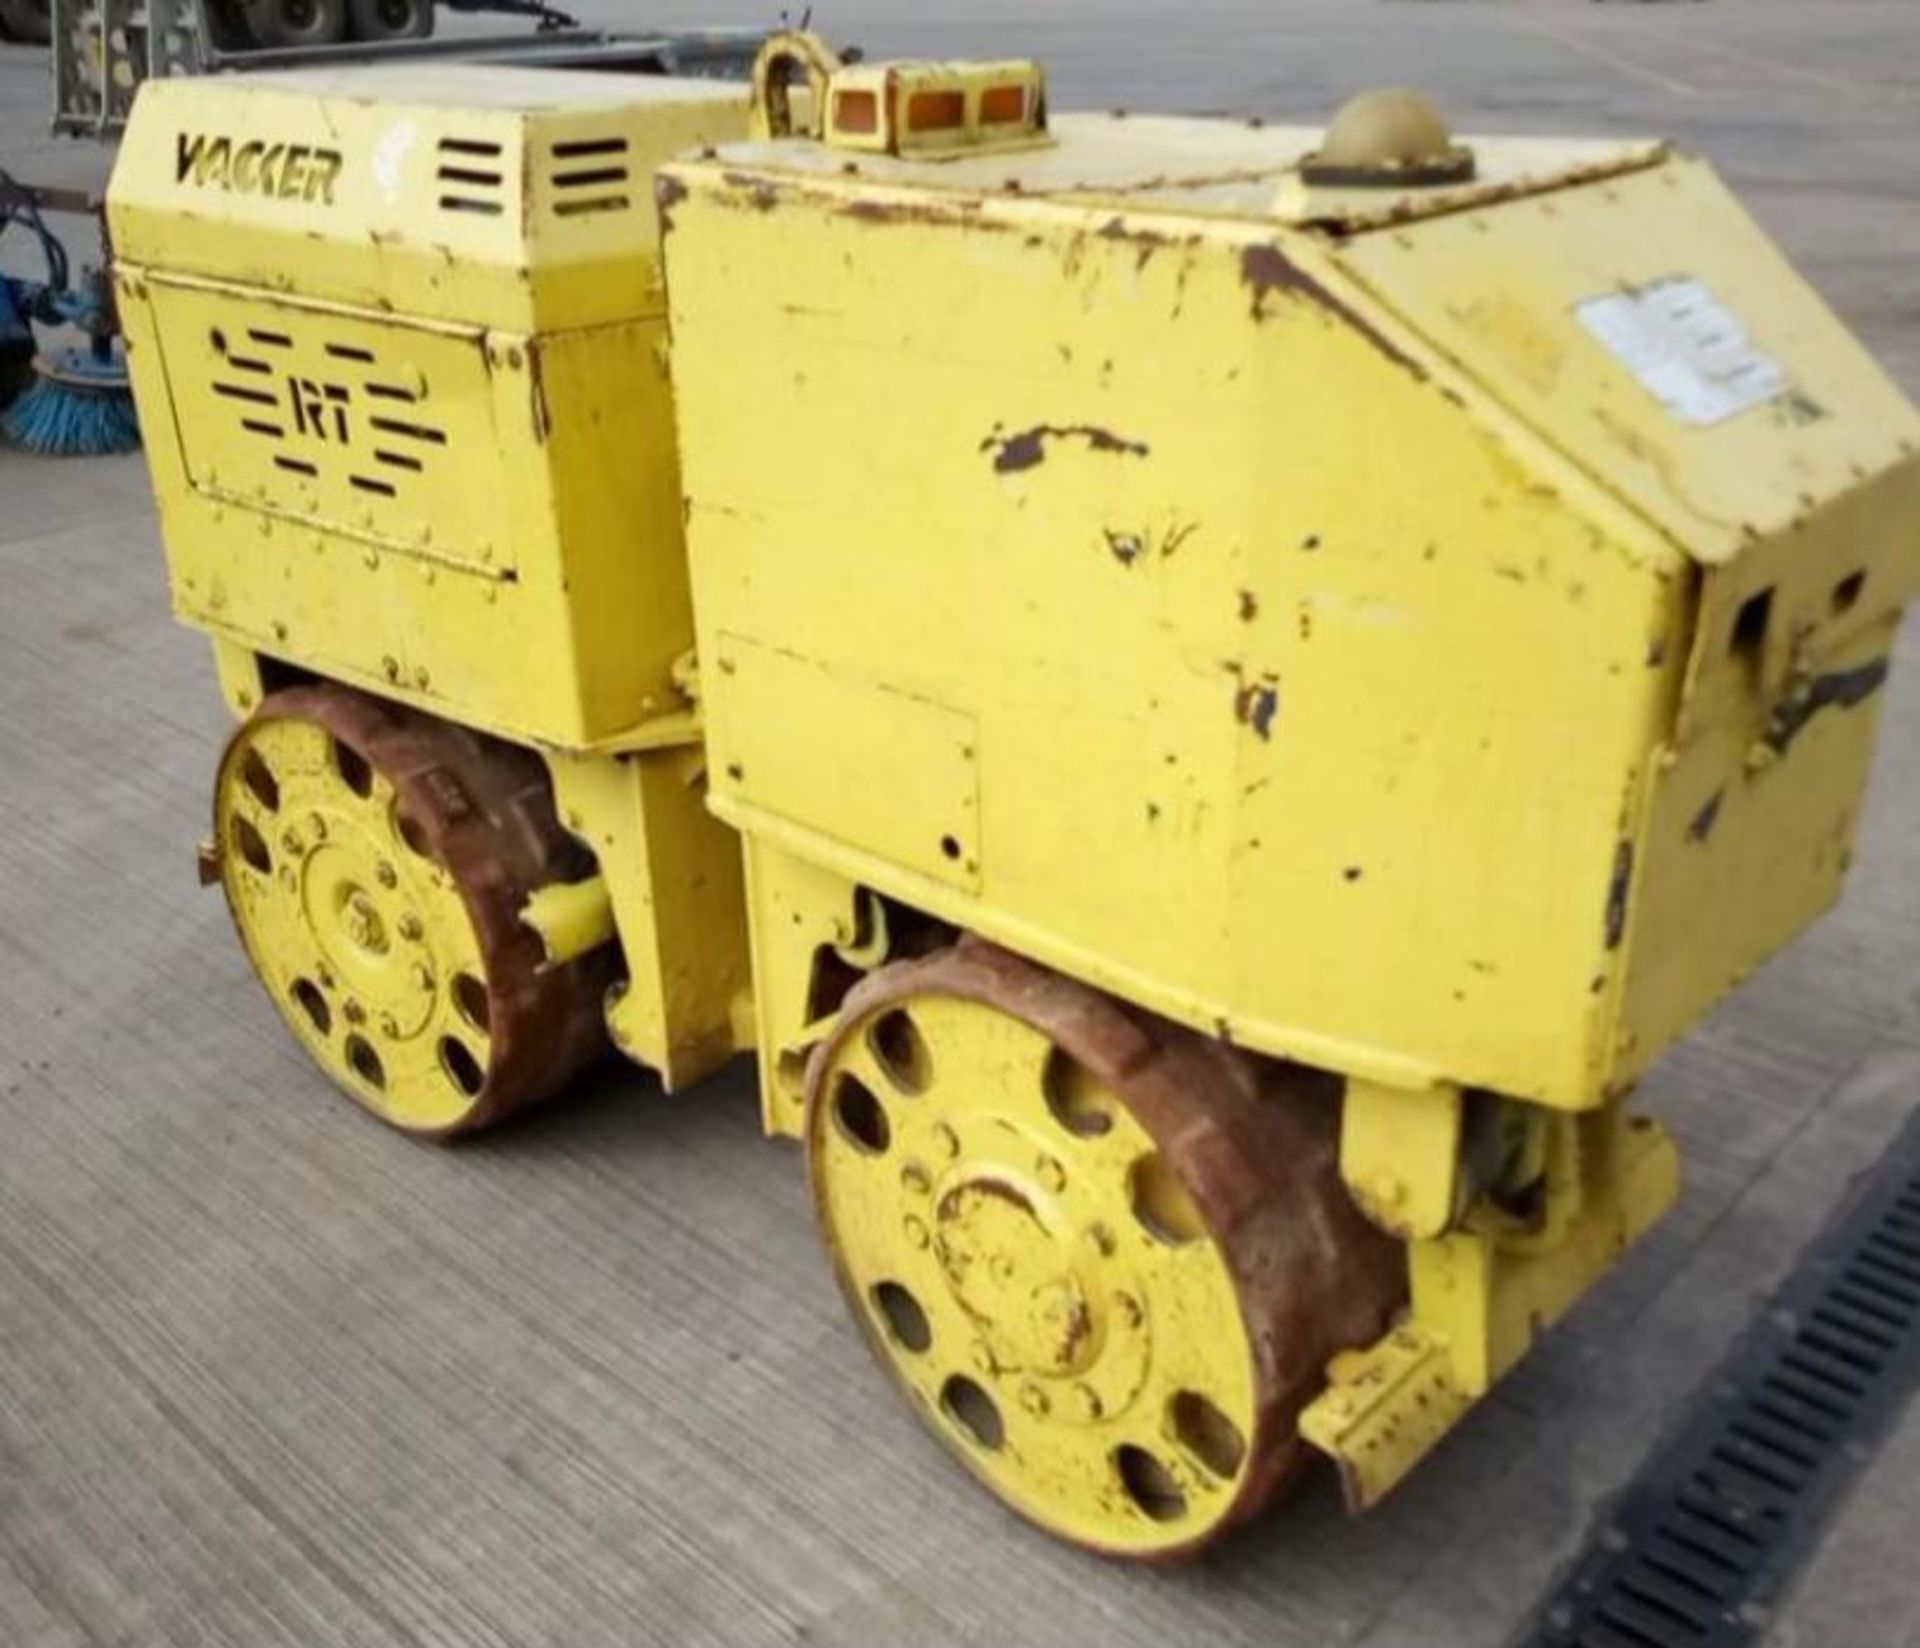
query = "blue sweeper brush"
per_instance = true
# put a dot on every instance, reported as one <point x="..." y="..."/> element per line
<point x="72" y="402"/>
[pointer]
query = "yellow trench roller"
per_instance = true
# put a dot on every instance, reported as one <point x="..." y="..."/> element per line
<point x="1206" y="696"/>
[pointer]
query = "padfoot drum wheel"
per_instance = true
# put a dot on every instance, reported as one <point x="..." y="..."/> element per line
<point x="1108" y="1259"/>
<point x="376" y="860"/>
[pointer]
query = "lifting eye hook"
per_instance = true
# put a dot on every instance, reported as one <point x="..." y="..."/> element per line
<point x="772" y="113"/>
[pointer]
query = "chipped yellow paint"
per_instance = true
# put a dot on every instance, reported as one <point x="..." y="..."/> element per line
<point x="1320" y="698"/>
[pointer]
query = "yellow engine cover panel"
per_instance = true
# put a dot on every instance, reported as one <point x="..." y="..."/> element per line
<point x="1650" y="331"/>
<point x="399" y="345"/>
<point x="1244" y="750"/>
<point x="1648" y="328"/>
<point x="1325" y="690"/>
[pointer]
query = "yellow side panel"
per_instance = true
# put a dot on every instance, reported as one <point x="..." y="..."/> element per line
<point x="484" y="524"/>
<point x="673" y="874"/>
<point x="339" y="421"/>
<point x="599" y="417"/>
<point x="1751" y="823"/>
<point x="801" y="915"/>
<point x="1309" y="709"/>
<point x="801" y="740"/>
<point x="1736" y="862"/>
<point x="1650" y="329"/>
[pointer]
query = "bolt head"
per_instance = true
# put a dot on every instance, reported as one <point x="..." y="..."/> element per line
<point x="1052" y="1174"/>
<point x="1087" y="1401"/>
<point x="946" y="1140"/>
<point x="1034" y="1400"/>
<point x="981" y="1357"/>
<point x="385" y="873"/>
<point x="353" y="1012"/>
<point x="411" y="928"/>
<point x="915" y="1232"/>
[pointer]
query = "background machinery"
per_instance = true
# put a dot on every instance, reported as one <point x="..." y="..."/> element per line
<point x="26" y="20"/>
<point x="69" y="399"/>
<point x="1206" y="696"/>
<point x="105" y="50"/>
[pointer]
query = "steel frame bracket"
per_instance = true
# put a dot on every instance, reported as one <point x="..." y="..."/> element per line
<point x="1400" y="1156"/>
<point x="1383" y="1410"/>
<point x="1481" y="1295"/>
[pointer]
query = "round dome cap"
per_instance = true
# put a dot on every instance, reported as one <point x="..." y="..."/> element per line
<point x="1392" y="137"/>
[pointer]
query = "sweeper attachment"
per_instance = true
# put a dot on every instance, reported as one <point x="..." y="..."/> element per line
<point x="59" y="401"/>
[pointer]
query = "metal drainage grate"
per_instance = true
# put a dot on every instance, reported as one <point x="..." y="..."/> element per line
<point x="1693" y="1552"/>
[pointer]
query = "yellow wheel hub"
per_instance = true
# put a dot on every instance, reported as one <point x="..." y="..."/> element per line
<point x="364" y="943"/>
<point x="376" y="861"/>
<point x="1029" y="1266"/>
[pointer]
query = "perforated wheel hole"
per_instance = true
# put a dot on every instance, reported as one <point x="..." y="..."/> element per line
<point x="1161" y="1202"/>
<point x="861" y="1118"/>
<point x="462" y="1068"/>
<point x="1076" y="1097"/>
<point x="1207" y="1433"/>
<point x="313" y="1004"/>
<point x="258" y="778"/>
<point x="969" y="1406"/>
<point x="365" y="1062"/>
<point x="470" y="1002"/>
<point x="902" y="1051"/>
<point x="353" y="768"/>
<point x="1149" y="1484"/>
<point x="252" y="846"/>
<point x="907" y="1323"/>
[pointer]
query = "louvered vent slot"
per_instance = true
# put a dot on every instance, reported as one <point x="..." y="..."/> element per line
<point x="251" y="377"/>
<point x="333" y="412"/>
<point x="590" y="175"/>
<point x="470" y="176"/>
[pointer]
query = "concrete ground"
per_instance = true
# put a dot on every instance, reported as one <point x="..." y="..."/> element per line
<point x="269" y="1374"/>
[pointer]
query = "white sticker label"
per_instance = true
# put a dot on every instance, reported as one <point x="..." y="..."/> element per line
<point x="1687" y="349"/>
<point x="390" y="159"/>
